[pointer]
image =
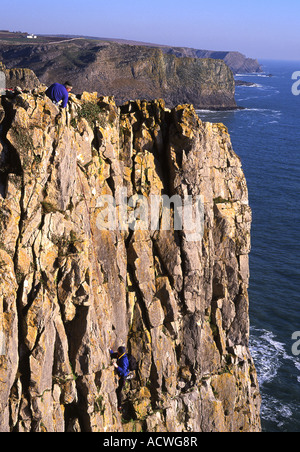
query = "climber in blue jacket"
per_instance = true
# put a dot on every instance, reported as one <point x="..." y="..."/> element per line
<point x="122" y="369"/>
<point x="58" y="92"/>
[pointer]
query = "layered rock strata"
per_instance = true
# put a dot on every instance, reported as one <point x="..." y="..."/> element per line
<point x="128" y="72"/>
<point x="70" y="289"/>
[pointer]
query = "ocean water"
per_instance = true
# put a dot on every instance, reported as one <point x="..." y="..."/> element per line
<point x="266" y="135"/>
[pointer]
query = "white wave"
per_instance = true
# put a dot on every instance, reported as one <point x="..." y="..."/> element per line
<point x="254" y="85"/>
<point x="217" y="113"/>
<point x="297" y="365"/>
<point x="264" y="110"/>
<point x="269" y="355"/>
<point x="253" y="74"/>
<point x="209" y="111"/>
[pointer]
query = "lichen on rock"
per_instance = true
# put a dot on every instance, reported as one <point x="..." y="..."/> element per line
<point x="70" y="290"/>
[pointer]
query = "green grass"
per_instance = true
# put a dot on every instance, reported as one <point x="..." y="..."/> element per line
<point x="90" y="111"/>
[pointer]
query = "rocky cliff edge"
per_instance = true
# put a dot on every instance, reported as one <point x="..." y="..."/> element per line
<point x="70" y="289"/>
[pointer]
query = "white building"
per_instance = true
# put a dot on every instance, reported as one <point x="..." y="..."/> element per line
<point x="31" y="36"/>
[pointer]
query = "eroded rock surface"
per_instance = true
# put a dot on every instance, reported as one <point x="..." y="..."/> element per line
<point x="70" y="290"/>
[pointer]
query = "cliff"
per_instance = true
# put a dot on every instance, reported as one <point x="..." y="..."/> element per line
<point x="23" y="78"/>
<point x="71" y="288"/>
<point x="127" y="72"/>
<point x="236" y="61"/>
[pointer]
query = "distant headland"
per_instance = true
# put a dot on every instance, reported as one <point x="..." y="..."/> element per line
<point x="129" y="69"/>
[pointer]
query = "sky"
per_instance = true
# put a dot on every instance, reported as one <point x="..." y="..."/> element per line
<point x="262" y="29"/>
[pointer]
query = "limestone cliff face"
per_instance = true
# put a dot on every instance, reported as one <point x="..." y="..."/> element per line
<point x="70" y="290"/>
<point x="128" y="72"/>
<point x="237" y="62"/>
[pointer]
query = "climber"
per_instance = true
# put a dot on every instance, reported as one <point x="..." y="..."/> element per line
<point x="58" y="93"/>
<point x="122" y="369"/>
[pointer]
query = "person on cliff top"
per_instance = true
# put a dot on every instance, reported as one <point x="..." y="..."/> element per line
<point x="122" y="370"/>
<point x="59" y="94"/>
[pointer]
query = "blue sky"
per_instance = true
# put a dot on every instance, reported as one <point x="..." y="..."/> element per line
<point x="260" y="28"/>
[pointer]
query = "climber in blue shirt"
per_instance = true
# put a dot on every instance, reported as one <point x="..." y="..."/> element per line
<point x="58" y="92"/>
<point x="122" y="369"/>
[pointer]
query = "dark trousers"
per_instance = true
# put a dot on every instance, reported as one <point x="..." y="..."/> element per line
<point x="119" y="390"/>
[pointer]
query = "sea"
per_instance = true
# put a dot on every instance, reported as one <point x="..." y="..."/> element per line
<point x="266" y="135"/>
